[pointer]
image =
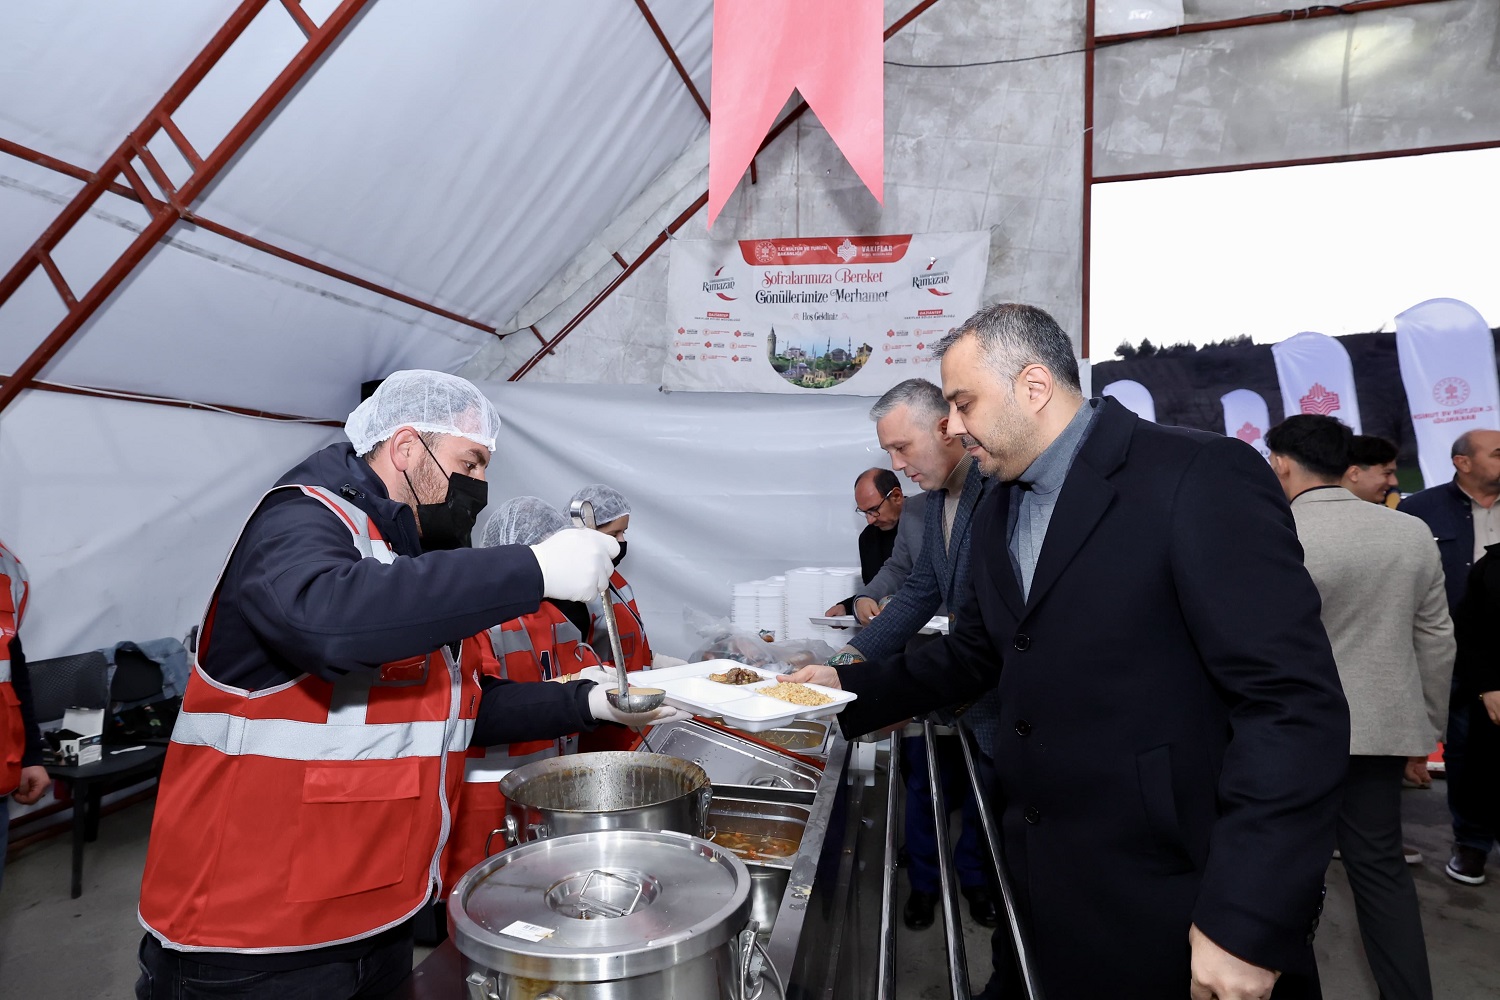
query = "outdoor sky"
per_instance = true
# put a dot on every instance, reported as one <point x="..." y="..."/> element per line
<point x="1336" y="248"/>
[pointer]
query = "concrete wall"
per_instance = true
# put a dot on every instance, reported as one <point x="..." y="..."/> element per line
<point x="996" y="147"/>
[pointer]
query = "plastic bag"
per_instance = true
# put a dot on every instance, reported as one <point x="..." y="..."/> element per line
<point x="720" y="641"/>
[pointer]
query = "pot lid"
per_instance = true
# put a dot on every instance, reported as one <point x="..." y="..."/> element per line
<point x="599" y="906"/>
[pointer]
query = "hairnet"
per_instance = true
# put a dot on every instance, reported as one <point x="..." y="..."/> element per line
<point x="433" y="402"/>
<point x="522" y="521"/>
<point x="608" y="503"/>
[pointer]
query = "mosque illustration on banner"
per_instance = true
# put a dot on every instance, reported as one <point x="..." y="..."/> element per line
<point x="804" y="365"/>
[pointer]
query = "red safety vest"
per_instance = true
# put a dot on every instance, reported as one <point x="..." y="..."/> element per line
<point x="14" y="590"/>
<point x="638" y="656"/>
<point x="311" y="813"/>
<point x="536" y="647"/>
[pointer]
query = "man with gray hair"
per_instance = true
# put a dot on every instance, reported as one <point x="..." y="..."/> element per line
<point x="1175" y="734"/>
<point x="1464" y="517"/>
<point x="911" y="422"/>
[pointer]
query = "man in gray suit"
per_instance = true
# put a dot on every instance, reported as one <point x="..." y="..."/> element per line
<point x="1385" y="609"/>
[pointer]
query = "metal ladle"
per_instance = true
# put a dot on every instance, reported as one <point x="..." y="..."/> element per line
<point x="642" y="699"/>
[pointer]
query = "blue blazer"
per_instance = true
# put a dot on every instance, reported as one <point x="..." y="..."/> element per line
<point x="1450" y="515"/>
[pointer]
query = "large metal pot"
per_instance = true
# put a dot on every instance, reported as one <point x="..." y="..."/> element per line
<point x="617" y="915"/>
<point x="586" y="792"/>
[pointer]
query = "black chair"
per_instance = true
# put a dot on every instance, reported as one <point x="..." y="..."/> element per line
<point x="82" y="681"/>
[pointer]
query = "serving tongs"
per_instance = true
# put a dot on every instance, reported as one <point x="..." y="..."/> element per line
<point x="642" y="699"/>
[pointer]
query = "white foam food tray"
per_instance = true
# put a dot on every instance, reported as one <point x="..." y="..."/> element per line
<point x="689" y="688"/>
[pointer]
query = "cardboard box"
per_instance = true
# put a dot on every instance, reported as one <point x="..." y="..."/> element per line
<point x="80" y="738"/>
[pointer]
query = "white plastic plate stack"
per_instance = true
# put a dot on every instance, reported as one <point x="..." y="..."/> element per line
<point x="839" y="582"/>
<point x="804" y="599"/>
<point x="745" y="606"/>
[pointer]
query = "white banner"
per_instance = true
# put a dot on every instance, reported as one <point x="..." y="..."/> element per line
<point x="1316" y="377"/>
<point x="841" y="315"/>
<point x="1447" y="357"/>
<point x="1133" y="396"/>
<point x="1247" y="417"/>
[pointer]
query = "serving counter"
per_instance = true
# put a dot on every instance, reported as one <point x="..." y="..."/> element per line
<point x="828" y="925"/>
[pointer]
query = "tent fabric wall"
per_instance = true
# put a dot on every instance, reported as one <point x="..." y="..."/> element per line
<point x="461" y="155"/>
<point x="125" y="513"/>
<point x="724" y="487"/>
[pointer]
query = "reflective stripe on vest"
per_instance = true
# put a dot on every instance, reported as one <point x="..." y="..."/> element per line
<point x="346" y="785"/>
<point x="13" y="592"/>
<point x="284" y="739"/>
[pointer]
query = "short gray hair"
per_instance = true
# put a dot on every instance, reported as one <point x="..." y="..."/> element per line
<point x="920" y="395"/>
<point x="1012" y="335"/>
<point x="1463" y="445"/>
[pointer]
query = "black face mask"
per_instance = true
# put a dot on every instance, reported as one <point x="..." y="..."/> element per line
<point x="621" y="557"/>
<point x="450" y="524"/>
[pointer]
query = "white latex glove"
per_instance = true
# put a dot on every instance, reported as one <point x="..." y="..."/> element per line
<point x="575" y="563"/>
<point x="663" y="660"/>
<point x="599" y="675"/>
<point x="603" y="711"/>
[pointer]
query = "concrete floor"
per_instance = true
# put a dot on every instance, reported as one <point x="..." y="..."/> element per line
<point x="84" y="949"/>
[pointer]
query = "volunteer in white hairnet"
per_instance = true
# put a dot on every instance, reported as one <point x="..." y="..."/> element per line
<point x="612" y="519"/>
<point x="348" y="641"/>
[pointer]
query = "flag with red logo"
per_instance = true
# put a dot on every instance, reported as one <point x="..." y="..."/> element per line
<point x="838" y="314"/>
<point x="1447" y="358"/>
<point x="1316" y="377"/>
<point x="1247" y="417"/>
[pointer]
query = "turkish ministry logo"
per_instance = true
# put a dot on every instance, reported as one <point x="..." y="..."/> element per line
<point x="847" y="251"/>
<point x="1450" y="391"/>
<point x="719" y="285"/>
<point x="765" y="252"/>
<point x="1320" y="400"/>
<point x="1250" y="433"/>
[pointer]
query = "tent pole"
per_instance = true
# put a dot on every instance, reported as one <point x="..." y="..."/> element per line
<point x="166" y="214"/>
<point x="661" y="36"/>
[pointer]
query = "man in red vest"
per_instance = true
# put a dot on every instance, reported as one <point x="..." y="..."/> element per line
<point x="22" y="776"/>
<point x="340" y="679"/>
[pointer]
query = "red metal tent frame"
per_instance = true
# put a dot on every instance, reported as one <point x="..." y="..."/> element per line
<point x="124" y="172"/>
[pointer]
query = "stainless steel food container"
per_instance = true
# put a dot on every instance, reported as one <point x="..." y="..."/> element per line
<point x="618" y="915"/>
<point x="584" y="792"/>
<point x="768" y="876"/>
<point x="808" y="737"/>
<point x="736" y="766"/>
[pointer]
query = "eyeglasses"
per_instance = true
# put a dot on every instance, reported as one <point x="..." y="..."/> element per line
<point x="875" y="510"/>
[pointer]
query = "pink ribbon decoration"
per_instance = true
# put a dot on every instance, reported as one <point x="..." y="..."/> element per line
<point x="829" y="50"/>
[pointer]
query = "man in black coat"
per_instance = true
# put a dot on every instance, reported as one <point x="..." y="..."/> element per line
<point x="879" y="500"/>
<point x="1176" y="731"/>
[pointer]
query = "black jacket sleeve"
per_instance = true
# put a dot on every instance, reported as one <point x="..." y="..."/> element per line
<point x="306" y="592"/>
<point x="515" y="711"/>
<point x="1254" y="616"/>
<point x="20" y="679"/>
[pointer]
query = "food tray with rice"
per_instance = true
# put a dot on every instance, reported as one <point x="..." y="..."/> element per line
<point x="725" y="688"/>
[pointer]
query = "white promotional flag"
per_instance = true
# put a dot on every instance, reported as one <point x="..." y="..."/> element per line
<point x="1133" y="396"/>
<point x="1316" y="377"/>
<point x="1447" y="360"/>
<point x="1247" y="417"/>
<point x="841" y="315"/>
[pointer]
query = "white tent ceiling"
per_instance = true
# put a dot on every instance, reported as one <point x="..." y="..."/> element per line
<point x="459" y="153"/>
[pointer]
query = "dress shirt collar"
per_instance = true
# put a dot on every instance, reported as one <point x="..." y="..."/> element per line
<point x="954" y="484"/>
<point x="1046" y="473"/>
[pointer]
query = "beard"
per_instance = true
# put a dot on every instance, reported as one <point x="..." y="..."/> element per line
<point x="1008" y="445"/>
<point x="429" y="484"/>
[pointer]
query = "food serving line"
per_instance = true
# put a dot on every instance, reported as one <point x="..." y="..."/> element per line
<point x="747" y="854"/>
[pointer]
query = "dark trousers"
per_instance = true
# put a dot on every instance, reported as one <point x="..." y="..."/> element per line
<point x="921" y="837"/>
<point x="1385" y="898"/>
<point x="174" y="975"/>
<point x="1462" y="771"/>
